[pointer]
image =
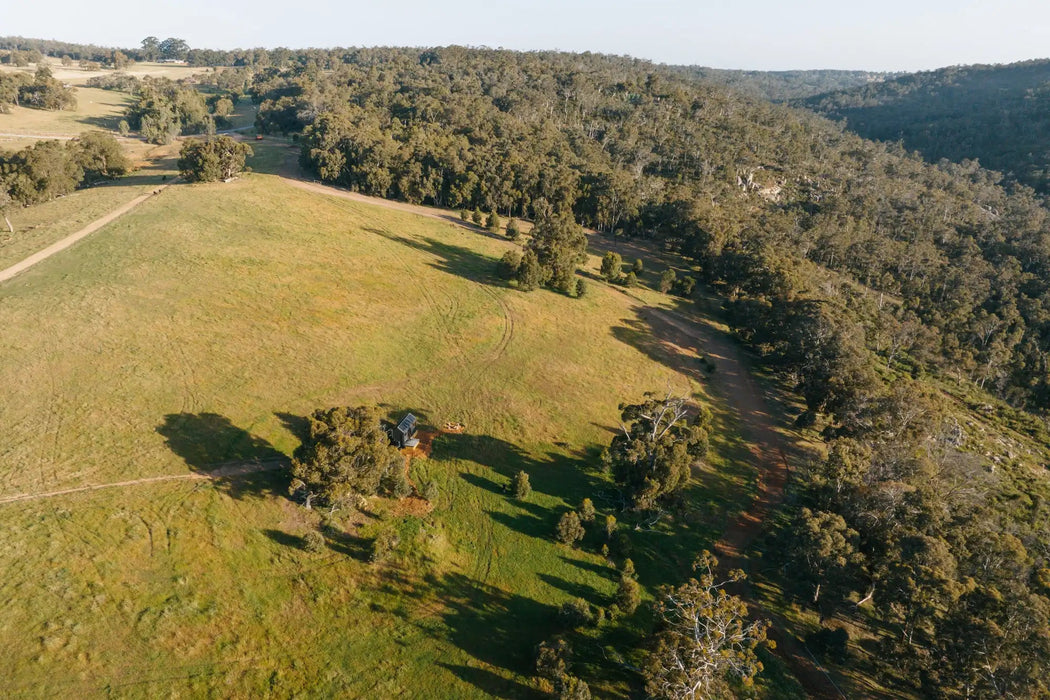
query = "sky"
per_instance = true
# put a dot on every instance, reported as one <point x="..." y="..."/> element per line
<point x="890" y="35"/>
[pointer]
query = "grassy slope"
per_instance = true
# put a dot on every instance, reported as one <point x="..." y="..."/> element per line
<point x="195" y="330"/>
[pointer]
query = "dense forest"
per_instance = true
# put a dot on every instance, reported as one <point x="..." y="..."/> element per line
<point x="998" y="114"/>
<point x="782" y="85"/>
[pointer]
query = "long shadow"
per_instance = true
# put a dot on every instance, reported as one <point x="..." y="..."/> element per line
<point x="495" y="627"/>
<point x="490" y="683"/>
<point x="604" y="571"/>
<point x="211" y="444"/>
<point x="576" y="590"/>
<point x="285" y="539"/>
<point x="299" y="426"/>
<point x="530" y="525"/>
<point x="453" y="259"/>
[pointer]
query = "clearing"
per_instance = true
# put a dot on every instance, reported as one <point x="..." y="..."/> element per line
<point x="198" y="329"/>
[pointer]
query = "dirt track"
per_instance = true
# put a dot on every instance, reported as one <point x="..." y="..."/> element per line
<point x="229" y="470"/>
<point x="733" y="383"/>
<point x="72" y="238"/>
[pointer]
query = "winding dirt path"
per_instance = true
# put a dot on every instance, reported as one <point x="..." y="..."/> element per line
<point x="734" y="384"/>
<point x="60" y="245"/>
<point x="229" y="470"/>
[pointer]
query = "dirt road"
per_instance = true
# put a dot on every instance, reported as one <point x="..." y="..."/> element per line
<point x="72" y="238"/>
<point x="733" y="384"/>
<point x="229" y="470"/>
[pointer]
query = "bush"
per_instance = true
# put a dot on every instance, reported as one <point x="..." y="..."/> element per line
<point x="429" y="491"/>
<point x="385" y="543"/>
<point x="610" y="526"/>
<point x="638" y="267"/>
<point x="530" y="273"/>
<point x="492" y="222"/>
<point x="464" y="215"/>
<point x="522" y="487"/>
<point x="831" y="644"/>
<point x="586" y="511"/>
<point x="629" y="593"/>
<point x="507" y="267"/>
<point x="477" y="217"/>
<point x="570" y="529"/>
<point x="612" y="264"/>
<point x="576" y="613"/>
<point x="685" y="286"/>
<point x="513" y="230"/>
<point x="581" y="287"/>
<point x="667" y="281"/>
<point x="630" y="280"/>
<point x="313" y="542"/>
<point x="395" y="483"/>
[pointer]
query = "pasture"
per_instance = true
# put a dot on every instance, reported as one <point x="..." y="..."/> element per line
<point x="198" y="330"/>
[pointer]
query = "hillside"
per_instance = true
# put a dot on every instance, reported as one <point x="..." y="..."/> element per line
<point x="859" y="339"/>
<point x="783" y="86"/>
<point x="197" y="331"/>
<point x="998" y="114"/>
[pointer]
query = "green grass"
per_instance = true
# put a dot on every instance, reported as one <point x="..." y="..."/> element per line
<point x="200" y="328"/>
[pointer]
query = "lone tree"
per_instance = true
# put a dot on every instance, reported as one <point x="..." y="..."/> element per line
<point x="570" y="529"/>
<point x="217" y="158"/>
<point x="347" y="452"/>
<point x="612" y="264"/>
<point x="560" y="246"/>
<point x="522" y="487"/>
<point x="652" y="455"/>
<point x="705" y="640"/>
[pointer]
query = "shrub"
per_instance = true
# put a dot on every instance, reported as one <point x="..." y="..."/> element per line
<point x="630" y="280"/>
<point x="530" y="273"/>
<point x="581" y="287"/>
<point x="429" y="491"/>
<point x="612" y="263"/>
<point x="383" y="546"/>
<point x="610" y="526"/>
<point x="507" y="267"/>
<point x="570" y="529"/>
<point x="492" y="222"/>
<point x="313" y="542"/>
<point x="513" y="230"/>
<point x="477" y="217"/>
<point x="667" y="280"/>
<point x="522" y="487"/>
<point x="576" y="613"/>
<point x="685" y="286"/>
<point x="638" y="267"/>
<point x="628" y="594"/>
<point x="464" y="215"/>
<point x="586" y="511"/>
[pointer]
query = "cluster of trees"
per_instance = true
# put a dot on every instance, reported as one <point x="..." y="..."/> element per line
<point x="164" y="109"/>
<point x="554" y="253"/>
<point x="900" y="520"/>
<point x="659" y="443"/>
<point x="346" y="454"/>
<point x="997" y="114"/>
<point x="784" y="85"/>
<point x="50" y="169"/>
<point x="40" y="91"/>
<point x="209" y="160"/>
<point x="731" y="182"/>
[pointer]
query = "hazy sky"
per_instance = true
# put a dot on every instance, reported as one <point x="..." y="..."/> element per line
<point x="756" y="34"/>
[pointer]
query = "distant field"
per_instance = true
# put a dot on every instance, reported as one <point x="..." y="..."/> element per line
<point x="199" y="329"/>
<point x="96" y="109"/>
<point x="75" y="75"/>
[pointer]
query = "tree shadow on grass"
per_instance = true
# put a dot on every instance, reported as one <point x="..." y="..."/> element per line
<point x="453" y="259"/>
<point x="245" y="465"/>
<point x="285" y="539"/>
<point x="600" y="569"/>
<point x="497" y="628"/>
<point x="491" y="683"/>
<point x="576" y="590"/>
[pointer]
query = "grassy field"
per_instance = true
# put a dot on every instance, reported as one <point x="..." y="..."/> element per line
<point x="199" y="329"/>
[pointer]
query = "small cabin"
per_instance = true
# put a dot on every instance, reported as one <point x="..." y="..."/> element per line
<point x="402" y="435"/>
